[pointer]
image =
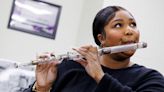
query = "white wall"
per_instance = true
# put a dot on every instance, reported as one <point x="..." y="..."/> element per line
<point x="149" y="16"/>
<point x="90" y="9"/>
<point x="23" y="47"/>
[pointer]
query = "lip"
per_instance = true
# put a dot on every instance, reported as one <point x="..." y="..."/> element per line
<point x="129" y="42"/>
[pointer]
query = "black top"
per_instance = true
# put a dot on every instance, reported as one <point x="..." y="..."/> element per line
<point x="72" y="77"/>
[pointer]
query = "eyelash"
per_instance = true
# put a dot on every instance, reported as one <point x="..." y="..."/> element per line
<point x="118" y="25"/>
<point x="133" y="24"/>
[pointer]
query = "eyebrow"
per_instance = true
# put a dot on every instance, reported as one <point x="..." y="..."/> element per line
<point x="131" y="19"/>
<point x="117" y="20"/>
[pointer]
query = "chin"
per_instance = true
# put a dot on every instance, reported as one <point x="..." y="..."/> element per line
<point x="122" y="56"/>
<point x="128" y="53"/>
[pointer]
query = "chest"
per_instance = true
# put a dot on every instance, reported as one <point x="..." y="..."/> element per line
<point x="76" y="82"/>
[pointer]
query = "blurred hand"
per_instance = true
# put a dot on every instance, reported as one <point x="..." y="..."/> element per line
<point x="45" y="73"/>
<point x="91" y="61"/>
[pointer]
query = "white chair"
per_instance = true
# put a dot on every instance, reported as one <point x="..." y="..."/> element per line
<point x="15" y="79"/>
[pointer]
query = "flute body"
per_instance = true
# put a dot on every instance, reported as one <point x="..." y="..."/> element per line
<point x="106" y="50"/>
<point x="122" y="48"/>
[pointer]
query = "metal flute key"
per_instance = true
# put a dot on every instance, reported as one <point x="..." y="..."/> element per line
<point x="106" y="50"/>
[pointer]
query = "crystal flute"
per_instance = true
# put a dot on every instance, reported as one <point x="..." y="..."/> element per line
<point x="75" y="56"/>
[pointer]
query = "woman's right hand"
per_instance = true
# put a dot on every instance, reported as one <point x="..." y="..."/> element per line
<point x="45" y="73"/>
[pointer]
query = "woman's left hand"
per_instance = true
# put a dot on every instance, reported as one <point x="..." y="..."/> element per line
<point x="91" y="61"/>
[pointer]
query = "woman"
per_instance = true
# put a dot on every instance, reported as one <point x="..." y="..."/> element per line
<point x="112" y="26"/>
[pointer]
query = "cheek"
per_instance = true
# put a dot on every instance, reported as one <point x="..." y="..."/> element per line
<point x="137" y="34"/>
<point x="113" y="38"/>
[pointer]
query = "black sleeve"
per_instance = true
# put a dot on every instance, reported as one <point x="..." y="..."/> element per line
<point x="109" y="84"/>
<point x="151" y="82"/>
<point x="29" y="89"/>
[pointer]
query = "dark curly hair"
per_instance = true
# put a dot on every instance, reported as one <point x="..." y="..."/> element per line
<point x="102" y="19"/>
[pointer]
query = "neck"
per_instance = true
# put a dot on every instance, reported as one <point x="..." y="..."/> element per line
<point x="114" y="64"/>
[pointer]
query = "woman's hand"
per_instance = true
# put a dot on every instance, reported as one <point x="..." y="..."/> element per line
<point x="45" y="73"/>
<point x="91" y="62"/>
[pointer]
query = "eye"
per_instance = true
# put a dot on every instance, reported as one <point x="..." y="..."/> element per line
<point x="133" y="24"/>
<point x="118" y="25"/>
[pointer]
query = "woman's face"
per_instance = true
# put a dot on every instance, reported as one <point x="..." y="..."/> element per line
<point x="120" y="30"/>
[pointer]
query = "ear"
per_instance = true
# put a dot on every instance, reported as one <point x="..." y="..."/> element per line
<point x="101" y="38"/>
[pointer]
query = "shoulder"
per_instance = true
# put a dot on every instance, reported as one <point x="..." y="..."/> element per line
<point x="147" y="71"/>
<point x="150" y="79"/>
<point x="149" y="76"/>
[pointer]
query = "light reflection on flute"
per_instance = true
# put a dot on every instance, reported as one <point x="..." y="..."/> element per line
<point x="75" y="56"/>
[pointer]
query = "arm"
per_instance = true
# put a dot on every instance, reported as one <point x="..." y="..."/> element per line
<point x="151" y="82"/>
<point x="91" y="63"/>
<point x="107" y="83"/>
<point x="29" y="89"/>
<point x="45" y="75"/>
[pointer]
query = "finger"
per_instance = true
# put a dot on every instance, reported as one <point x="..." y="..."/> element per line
<point x="42" y="57"/>
<point x="45" y="55"/>
<point x="93" y="49"/>
<point x="52" y="54"/>
<point x="80" y="51"/>
<point x="55" y="63"/>
<point x="43" y="66"/>
<point x="86" y="46"/>
<point x="54" y="66"/>
<point x="39" y="67"/>
<point x="89" y="48"/>
<point x="87" y="55"/>
<point x="82" y="62"/>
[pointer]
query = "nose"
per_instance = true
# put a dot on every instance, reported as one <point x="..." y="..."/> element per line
<point x="129" y="31"/>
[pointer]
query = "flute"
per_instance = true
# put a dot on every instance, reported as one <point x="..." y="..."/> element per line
<point x="76" y="56"/>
